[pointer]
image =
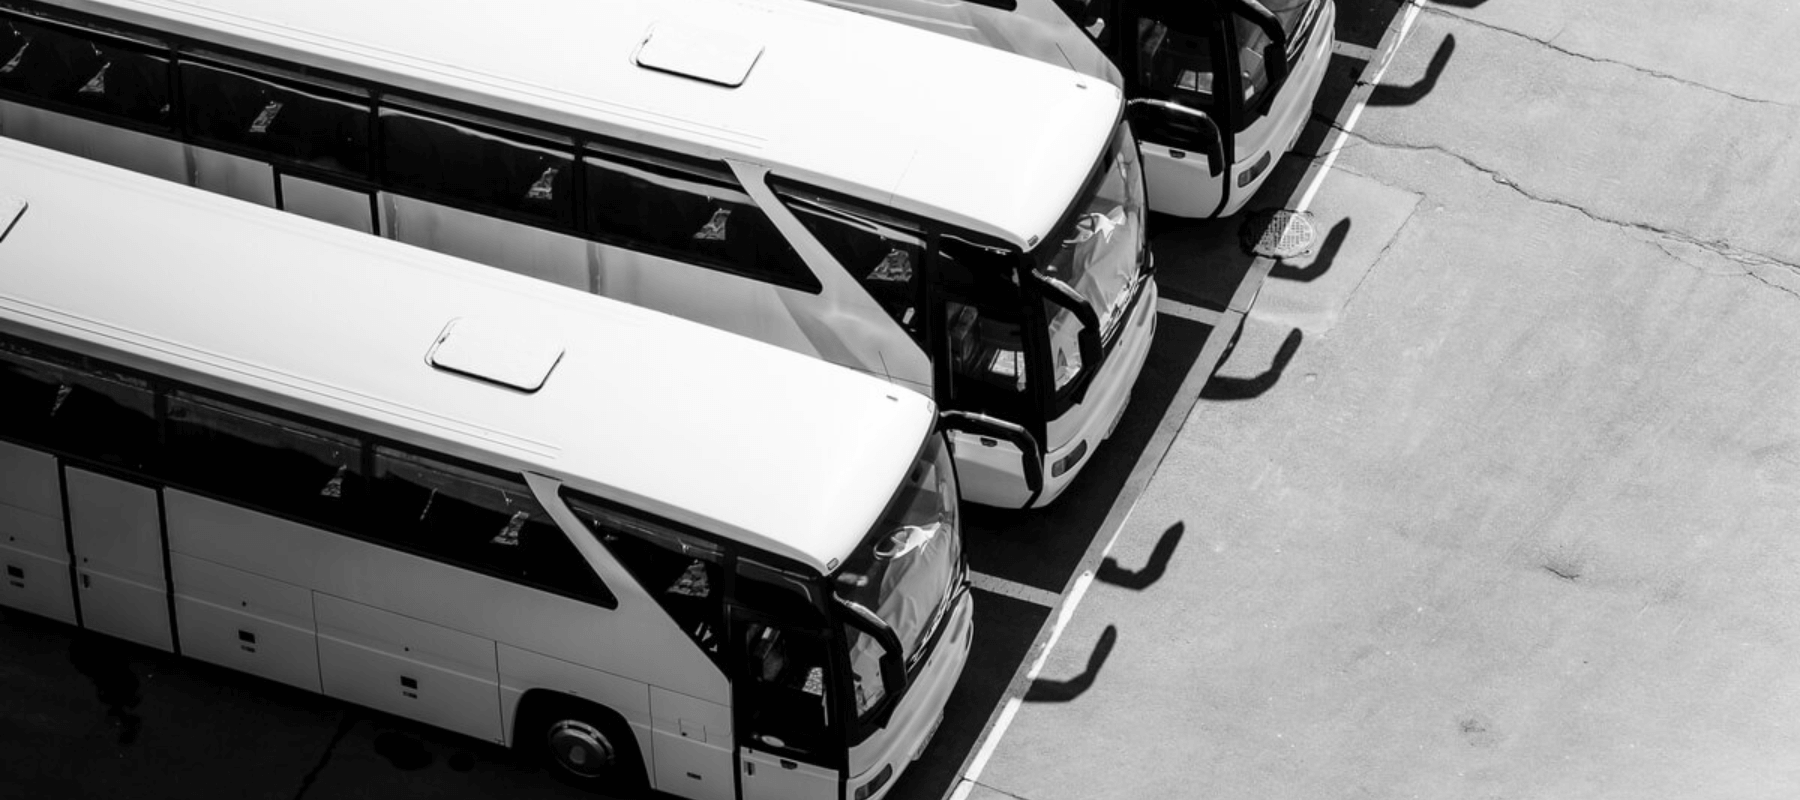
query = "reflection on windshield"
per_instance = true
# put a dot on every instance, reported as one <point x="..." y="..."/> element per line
<point x="1098" y="254"/>
<point x="906" y="572"/>
<point x="1252" y="40"/>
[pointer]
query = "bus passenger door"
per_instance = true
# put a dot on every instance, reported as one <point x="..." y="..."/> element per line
<point x="117" y="531"/>
<point x="788" y="746"/>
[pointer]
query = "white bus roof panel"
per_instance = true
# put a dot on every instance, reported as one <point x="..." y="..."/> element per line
<point x="988" y="140"/>
<point x="776" y="449"/>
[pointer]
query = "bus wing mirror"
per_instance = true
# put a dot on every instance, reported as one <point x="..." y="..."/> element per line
<point x="893" y="670"/>
<point x="1275" y="52"/>
<point x="983" y="425"/>
<point x="1194" y="128"/>
<point x="1088" y="340"/>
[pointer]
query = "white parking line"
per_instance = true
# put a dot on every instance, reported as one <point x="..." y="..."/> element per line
<point x="1176" y="308"/>
<point x="1013" y="589"/>
<point x="1356" y="51"/>
<point x="1211" y="350"/>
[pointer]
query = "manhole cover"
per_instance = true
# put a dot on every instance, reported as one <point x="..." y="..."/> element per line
<point x="1277" y="234"/>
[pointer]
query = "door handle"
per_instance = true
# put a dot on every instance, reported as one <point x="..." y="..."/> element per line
<point x="85" y="584"/>
<point x="749" y="768"/>
<point x="786" y="764"/>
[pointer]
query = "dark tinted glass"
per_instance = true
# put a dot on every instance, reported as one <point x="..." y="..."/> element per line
<point x="690" y="215"/>
<point x="458" y="163"/>
<point x="984" y="325"/>
<point x="884" y="255"/>
<point x="56" y="64"/>
<point x="262" y="460"/>
<point x="310" y="127"/>
<point x="681" y="572"/>
<point x="475" y="520"/>
<point x="76" y="407"/>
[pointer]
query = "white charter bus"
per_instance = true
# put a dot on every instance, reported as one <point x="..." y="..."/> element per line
<point x="958" y="220"/>
<point x="648" y="552"/>
<point x="1219" y="89"/>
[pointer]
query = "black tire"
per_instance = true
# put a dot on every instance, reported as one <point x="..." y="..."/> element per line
<point x="583" y="745"/>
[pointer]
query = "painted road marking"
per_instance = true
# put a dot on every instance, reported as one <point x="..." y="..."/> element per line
<point x="994" y="584"/>
<point x="1176" y="308"/>
<point x="1160" y="442"/>
<point x="1356" y="51"/>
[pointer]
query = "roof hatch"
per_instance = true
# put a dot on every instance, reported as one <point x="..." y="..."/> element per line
<point x="498" y="352"/>
<point x="11" y="208"/>
<point x="698" y="53"/>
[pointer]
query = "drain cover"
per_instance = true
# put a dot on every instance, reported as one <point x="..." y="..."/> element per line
<point x="1277" y="234"/>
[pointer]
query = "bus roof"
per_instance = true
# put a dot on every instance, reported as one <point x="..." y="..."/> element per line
<point x="979" y="138"/>
<point x="775" y="449"/>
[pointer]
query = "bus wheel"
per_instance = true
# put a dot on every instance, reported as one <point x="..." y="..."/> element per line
<point x="587" y="746"/>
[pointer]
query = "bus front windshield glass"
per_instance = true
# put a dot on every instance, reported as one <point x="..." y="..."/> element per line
<point x="1252" y="40"/>
<point x="1099" y="254"/>
<point x="906" y="571"/>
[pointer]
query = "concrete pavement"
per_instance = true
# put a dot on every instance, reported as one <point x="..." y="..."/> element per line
<point x="1516" y="519"/>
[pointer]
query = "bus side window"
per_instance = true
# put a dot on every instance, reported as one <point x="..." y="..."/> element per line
<point x="260" y="459"/>
<point x="681" y="572"/>
<point x="881" y="254"/>
<point x="1175" y="64"/>
<point x="76" y="407"/>
<point x="688" y="212"/>
<point x="66" y="66"/>
<point x="478" y="521"/>
<point x="984" y="329"/>
<point x="449" y="161"/>
<point x="233" y="108"/>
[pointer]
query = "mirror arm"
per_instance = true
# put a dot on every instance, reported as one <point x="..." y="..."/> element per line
<point x="1030" y="451"/>
<point x="1089" y="337"/>
<point x="893" y="670"/>
<point x="1266" y="21"/>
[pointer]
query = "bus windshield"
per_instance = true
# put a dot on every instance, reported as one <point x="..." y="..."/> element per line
<point x="906" y="572"/>
<point x="1252" y="40"/>
<point x="1098" y="252"/>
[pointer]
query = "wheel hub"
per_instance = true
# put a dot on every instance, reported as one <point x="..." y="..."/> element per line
<point x="580" y="748"/>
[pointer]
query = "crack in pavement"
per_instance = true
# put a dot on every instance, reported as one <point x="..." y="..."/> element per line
<point x="1551" y="45"/>
<point x="1749" y="259"/>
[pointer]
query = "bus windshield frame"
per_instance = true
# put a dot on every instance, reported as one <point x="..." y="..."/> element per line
<point x="1109" y="297"/>
<point x="922" y="529"/>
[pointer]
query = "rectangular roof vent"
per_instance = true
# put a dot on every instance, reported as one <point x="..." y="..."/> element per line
<point x="497" y="352"/>
<point x="698" y="53"/>
<point x="11" y="208"/>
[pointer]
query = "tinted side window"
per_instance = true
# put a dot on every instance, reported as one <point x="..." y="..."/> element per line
<point x="690" y="215"/>
<point x="271" y="462"/>
<point x="681" y="572"/>
<point x="76" y="406"/>
<point x="451" y="161"/>
<point x="475" y="520"/>
<point x="883" y="254"/>
<point x="310" y="127"/>
<point x="63" y="65"/>
<point x="984" y="323"/>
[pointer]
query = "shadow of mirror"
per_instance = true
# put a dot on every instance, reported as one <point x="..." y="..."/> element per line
<point x="1222" y="388"/>
<point x="1047" y="691"/>
<point x="1110" y="572"/>
<point x="1328" y="250"/>
<point x="1408" y="95"/>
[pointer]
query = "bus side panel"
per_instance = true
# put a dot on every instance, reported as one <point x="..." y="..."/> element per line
<point x="246" y="622"/>
<point x="744" y="306"/>
<point x="233" y="176"/>
<point x="139" y="152"/>
<point x="541" y="254"/>
<point x="693" y="746"/>
<point x="408" y="667"/>
<point x="523" y="670"/>
<point x="34" y="553"/>
<point x="483" y="606"/>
